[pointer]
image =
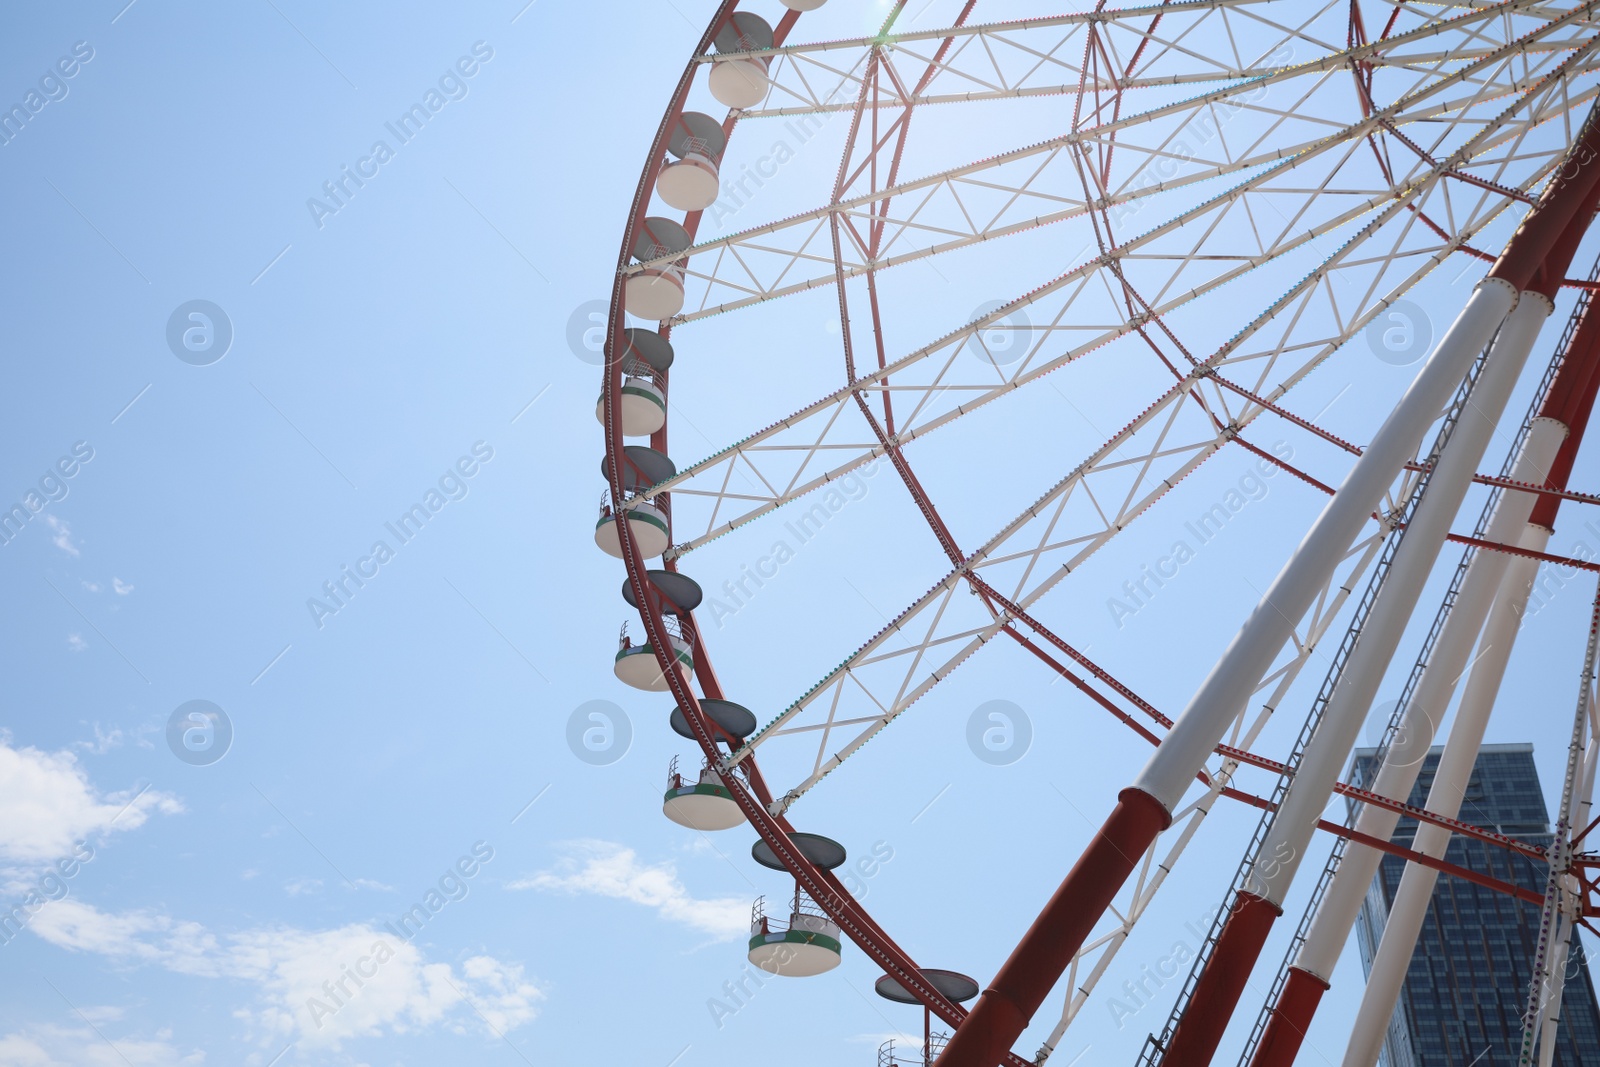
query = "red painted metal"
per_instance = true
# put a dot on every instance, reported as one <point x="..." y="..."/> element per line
<point x="1586" y="866"/>
<point x="1302" y="992"/>
<point x="1525" y="553"/>
<point x="1522" y="848"/>
<point x="1583" y="172"/>
<point x="995" y="598"/>
<point x="1510" y="889"/>
<point x="1084" y="687"/>
<point x="1530" y="259"/>
<point x="1299" y="474"/>
<point x="1002" y="1012"/>
<point x="880" y="211"/>
<point x="1200" y="1030"/>
<point x="1290" y="1020"/>
<point x="1571" y="403"/>
<point x="1021" y="985"/>
<point x="1239" y="755"/>
<point x="898" y="129"/>
<point x="1455" y="826"/>
<point x="1544" y="492"/>
<point x="1356" y="450"/>
<point x="820" y="885"/>
<point x="1243" y="756"/>
<point x="1534" y="254"/>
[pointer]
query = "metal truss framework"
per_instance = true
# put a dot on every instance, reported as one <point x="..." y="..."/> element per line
<point x="1457" y="114"/>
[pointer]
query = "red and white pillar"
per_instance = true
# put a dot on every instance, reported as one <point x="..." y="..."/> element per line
<point x="1259" y="905"/>
<point x="1491" y="579"/>
<point x="1472" y="717"/>
<point x="1144" y="809"/>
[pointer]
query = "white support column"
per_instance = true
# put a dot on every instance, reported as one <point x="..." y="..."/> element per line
<point x="1577" y="816"/>
<point x="1419" y="725"/>
<point x="1227" y="688"/>
<point x="1550" y="1019"/>
<point x="1331" y="742"/>
<point x="1449" y="786"/>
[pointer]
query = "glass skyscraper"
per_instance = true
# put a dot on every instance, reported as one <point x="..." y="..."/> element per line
<point x="1467" y="986"/>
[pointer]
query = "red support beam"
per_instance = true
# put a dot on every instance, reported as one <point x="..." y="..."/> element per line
<point x="1201" y="1026"/>
<point x="1538" y="251"/>
<point x="1510" y="889"/>
<point x="1570" y="402"/>
<point x="1243" y="756"/>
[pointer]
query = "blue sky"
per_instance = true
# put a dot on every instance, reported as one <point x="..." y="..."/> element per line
<point x="414" y="741"/>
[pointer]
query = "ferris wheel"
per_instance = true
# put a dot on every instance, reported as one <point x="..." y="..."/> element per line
<point x="1178" y="212"/>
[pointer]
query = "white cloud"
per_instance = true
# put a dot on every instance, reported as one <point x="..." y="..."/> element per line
<point x="499" y="992"/>
<point x="304" y="887"/>
<point x="93" y="587"/>
<point x="901" y="1039"/>
<point x="318" y="987"/>
<point x="63" y="535"/>
<point x="700" y="845"/>
<point x="131" y="936"/>
<point x="104" y="741"/>
<point x="122" y="588"/>
<point x="324" y="987"/>
<point x="76" y="642"/>
<point x="61" y="1046"/>
<point x="607" y="869"/>
<point x="47" y="804"/>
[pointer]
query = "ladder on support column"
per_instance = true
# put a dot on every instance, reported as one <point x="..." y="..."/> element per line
<point x="1155" y="1047"/>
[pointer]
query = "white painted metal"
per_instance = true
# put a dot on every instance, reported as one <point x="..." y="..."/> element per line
<point x="775" y="951"/>
<point x="643" y="407"/>
<point x="1450" y="780"/>
<point x="1547" y="982"/>
<point x="693" y="806"/>
<point x="636" y="665"/>
<point x="1570" y="908"/>
<point x="1220" y="697"/>
<point x="655" y="293"/>
<point x="646" y="521"/>
<point x="739" y="82"/>
<point x="804" y="431"/>
<point x="1456" y="41"/>
<point x="878" y="682"/>
<point x="690" y="183"/>
<point x="980" y="171"/>
<point x="1334" y="737"/>
<point x="1171" y="845"/>
<point x="1330" y="929"/>
<point x="778" y="442"/>
<point x="734" y="282"/>
<point x="1174" y="465"/>
<point x="1551" y="1018"/>
<point x="982" y="67"/>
